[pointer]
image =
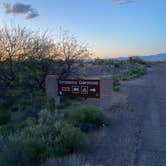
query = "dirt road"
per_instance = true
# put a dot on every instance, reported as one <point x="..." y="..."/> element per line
<point x="137" y="133"/>
<point x="152" y="151"/>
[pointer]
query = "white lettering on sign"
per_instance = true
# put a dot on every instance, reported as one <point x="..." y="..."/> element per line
<point x="88" y="82"/>
<point x="65" y="89"/>
<point x="68" y="82"/>
<point x="79" y="88"/>
<point x="93" y="90"/>
<point x="75" y="89"/>
<point x="84" y="89"/>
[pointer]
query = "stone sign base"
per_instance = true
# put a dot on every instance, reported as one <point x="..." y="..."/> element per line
<point x="105" y="92"/>
<point x="52" y="88"/>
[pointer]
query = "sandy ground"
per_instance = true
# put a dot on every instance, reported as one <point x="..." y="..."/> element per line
<point x="136" y="135"/>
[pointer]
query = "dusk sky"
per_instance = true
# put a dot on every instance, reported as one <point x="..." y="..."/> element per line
<point x="112" y="28"/>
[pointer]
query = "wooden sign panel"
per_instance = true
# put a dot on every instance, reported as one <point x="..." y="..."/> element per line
<point x="79" y="88"/>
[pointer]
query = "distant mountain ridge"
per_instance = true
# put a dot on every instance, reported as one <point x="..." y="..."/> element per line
<point x="151" y="58"/>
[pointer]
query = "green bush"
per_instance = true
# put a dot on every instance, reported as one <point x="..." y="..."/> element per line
<point x="6" y="129"/>
<point x="5" y="117"/>
<point x="16" y="150"/>
<point x="116" y="88"/>
<point x="60" y="137"/>
<point x="16" y="99"/>
<point x="34" y="149"/>
<point x="38" y="100"/>
<point x="65" y="102"/>
<point x="11" y="153"/>
<point x="116" y="83"/>
<point x="132" y="75"/>
<point x="50" y="104"/>
<point x="37" y="139"/>
<point x="71" y="138"/>
<point x="86" y="117"/>
<point x="136" y="71"/>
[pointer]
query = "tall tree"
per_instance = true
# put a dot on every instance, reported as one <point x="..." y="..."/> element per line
<point x="70" y="51"/>
<point x="14" y="43"/>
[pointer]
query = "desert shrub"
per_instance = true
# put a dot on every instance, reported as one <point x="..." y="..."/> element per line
<point x="6" y="129"/>
<point x="34" y="149"/>
<point x="50" y="104"/>
<point x="16" y="99"/>
<point x="116" y="88"/>
<point x="48" y="125"/>
<point x="98" y="61"/>
<point x="86" y="117"/>
<point x="37" y="139"/>
<point x="62" y="137"/>
<point x="71" y="138"/>
<point x="116" y="83"/>
<point x="11" y="128"/>
<point x="65" y="102"/>
<point x="136" y="60"/>
<point x="29" y="121"/>
<point x="117" y="64"/>
<point x="11" y="153"/>
<point x="21" y="116"/>
<point x="5" y="117"/>
<point x="41" y="101"/>
<point x="59" y="137"/>
<point x="48" y="117"/>
<point x="135" y="72"/>
<point x="128" y="76"/>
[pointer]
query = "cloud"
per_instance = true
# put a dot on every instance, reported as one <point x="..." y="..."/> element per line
<point x="32" y="15"/>
<point x="20" y="9"/>
<point x="122" y="2"/>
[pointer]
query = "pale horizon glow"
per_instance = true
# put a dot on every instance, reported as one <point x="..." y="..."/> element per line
<point x="111" y="29"/>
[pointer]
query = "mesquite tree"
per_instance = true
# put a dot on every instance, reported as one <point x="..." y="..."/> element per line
<point x="70" y="51"/>
<point x="14" y="43"/>
<point x="26" y="56"/>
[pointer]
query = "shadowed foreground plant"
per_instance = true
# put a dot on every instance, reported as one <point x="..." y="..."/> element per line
<point x="86" y="117"/>
<point x="5" y="116"/>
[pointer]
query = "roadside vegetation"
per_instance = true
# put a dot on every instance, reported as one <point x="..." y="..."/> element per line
<point x="136" y="69"/>
<point x="33" y="131"/>
<point x="122" y="70"/>
<point x="161" y="62"/>
<point x="52" y="134"/>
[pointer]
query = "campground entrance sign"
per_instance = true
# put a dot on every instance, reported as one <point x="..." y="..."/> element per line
<point x="79" y="88"/>
<point x="98" y="89"/>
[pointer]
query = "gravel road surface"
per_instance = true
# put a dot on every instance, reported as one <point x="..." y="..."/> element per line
<point x="152" y="151"/>
<point x="136" y="135"/>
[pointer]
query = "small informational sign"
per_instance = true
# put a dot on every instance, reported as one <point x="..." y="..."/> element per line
<point x="79" y="88"/>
